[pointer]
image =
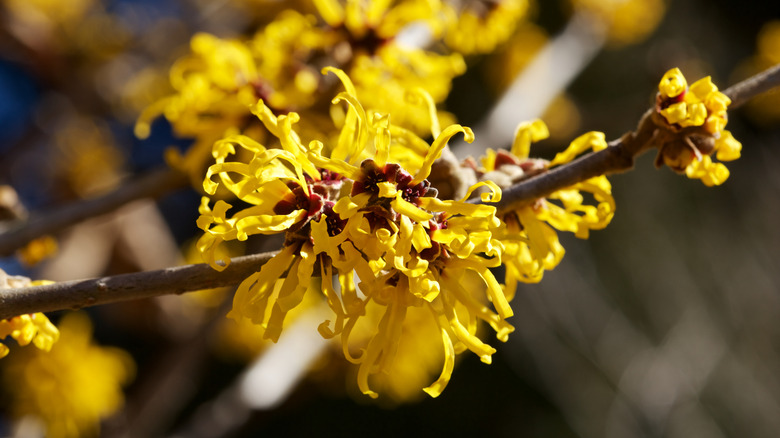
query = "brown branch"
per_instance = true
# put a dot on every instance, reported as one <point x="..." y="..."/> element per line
<point x="155" y="184"/>
<point x="84" y="293"/>
<point x="620" y="154"/>
<point x="751" y="87"/>
<point x="618" y="157"/>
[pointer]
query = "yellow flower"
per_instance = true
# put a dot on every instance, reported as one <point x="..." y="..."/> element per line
<point x="349" y="209"/>
<point x="383" y="69"/>
<point x="529" y="237"/>
<point x="73" y="386"/>
<point x="493" y="21"/>
<point x="32" y="328"/>
<point x="695" y="117"/>
<point x="626" y="21"/>
<point x="378" y="19"/>
<point x="393" y="70"/>
<point x="764" y="108"/>
<point x="414" y="252"/>
<point x="89" y="163"/>
<point x="217" y="84"/>
<point x="38" y="250"/>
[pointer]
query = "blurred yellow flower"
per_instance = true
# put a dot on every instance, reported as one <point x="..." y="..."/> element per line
<point x="764" y="108"/>
<point x="32" y="328"/>
<point x="37" y="250"/>
<point x="477" y="27"/>
<point x="216" y="84"/>
<point x="73" y="386"/>
<point x="625" y="21"/>
<point x="377" y="19"/>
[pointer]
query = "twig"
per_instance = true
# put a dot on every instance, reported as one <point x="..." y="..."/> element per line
<point x="84" y="293"/>
<point x="154" y="184"/>
<point x="751" y="87"/>
<point x="618" y="157"/>
<point x="620" y="154"/>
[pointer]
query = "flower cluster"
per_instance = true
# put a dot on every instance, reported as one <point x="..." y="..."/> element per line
<point x="359" y="209"/>
<point x="63" y="387"/>
<point x="215" y="84"/>
<point x="25" y="329"/>
<point x="695" y="116"/>
<point x="494" y="22"/>
<point x="529" y="237"/>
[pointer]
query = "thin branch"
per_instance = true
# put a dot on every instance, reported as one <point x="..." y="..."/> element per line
<point x="155" y="184"/>
<point x="751" y="87"/>
<point x="620" y="154"/>
<point x="84" y="293"/>
<point x="618" y="157"/>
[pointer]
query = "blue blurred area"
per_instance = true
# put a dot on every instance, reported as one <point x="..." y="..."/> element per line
<point x="18" y="96"/>
<point x="139" y="15"/>
<point x="147" y="154"/>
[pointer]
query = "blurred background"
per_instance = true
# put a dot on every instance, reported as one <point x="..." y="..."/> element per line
<point x="663" y="325"/>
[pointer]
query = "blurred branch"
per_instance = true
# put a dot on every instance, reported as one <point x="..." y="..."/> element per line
<point x="17" y="234"/>
<point x="751" y="87"/>
<point x="167" y="390"/>
<point x="620" y="154"/>
<point x="84" y="293"/>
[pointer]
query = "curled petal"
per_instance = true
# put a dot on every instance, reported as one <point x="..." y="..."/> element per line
<point x="591" y="140"/>
<point x="326" y="271"/>
<point x="252" y="296"/>
<point x="436" y="388"/>
<point x="267" y="224"/>
<point x="473" y="343"/>
<point x="527" y="133"/>
<point x="493" y="196"/>
<point x="438" y="146"/>
<point x="406" y="208"/>
<point x="455" y="207"/>
<point x="426" y="97"/>
<point x="382" y="347"/>
<point x="352" y="139"/>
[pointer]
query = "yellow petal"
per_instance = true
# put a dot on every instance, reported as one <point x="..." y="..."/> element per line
<point x="527" y="133"/>
<point x="431" y="105"/>
<point x="267" y="224"/>
<point x="493" y="196"/>
<point x="438" y="146"/>
<point x="728" y="147"/>
<point x="331" y="11"/>
<point x="406" y="208"/>
<point x="592" y="140"/>
<point x="436" y="388"/>
<point x="675" y="112"/>
<point x="673" y="83"/>
<point x="702" y="88"/>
